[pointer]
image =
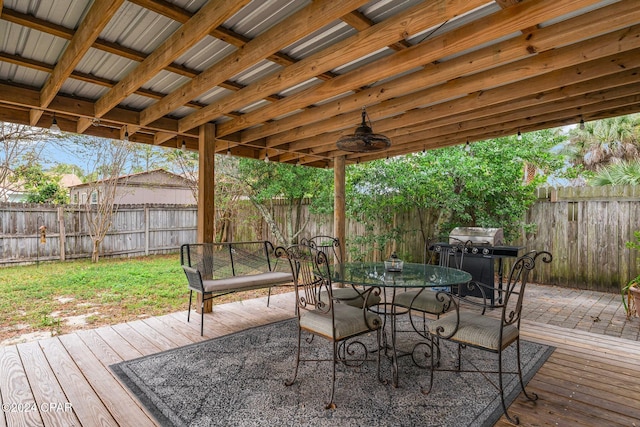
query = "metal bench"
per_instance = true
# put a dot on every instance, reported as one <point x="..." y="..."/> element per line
<point x="217" y="269"/>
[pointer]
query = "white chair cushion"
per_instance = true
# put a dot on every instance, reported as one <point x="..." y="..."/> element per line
<point x="351" y="297"/>
<point x="475" y="330"/>
<point x="424" y="301"/>
<point x="349" y="321"/>
<point x="247" y="282"/>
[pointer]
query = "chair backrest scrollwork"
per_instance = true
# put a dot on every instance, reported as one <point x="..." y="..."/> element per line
<point x="329" y="245"/>
<point x="310" y="270"/>
<point x="516" y="284"/>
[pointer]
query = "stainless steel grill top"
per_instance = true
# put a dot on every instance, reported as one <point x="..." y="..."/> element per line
<point x="477" y="236"/>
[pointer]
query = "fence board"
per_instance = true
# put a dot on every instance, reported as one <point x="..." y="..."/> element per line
<point x="585" y="228"/>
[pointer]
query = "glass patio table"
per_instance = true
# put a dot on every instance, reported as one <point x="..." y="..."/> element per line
<point x="373" y="274"/>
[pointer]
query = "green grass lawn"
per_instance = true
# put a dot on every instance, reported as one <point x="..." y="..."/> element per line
<point x="61" y="296"/>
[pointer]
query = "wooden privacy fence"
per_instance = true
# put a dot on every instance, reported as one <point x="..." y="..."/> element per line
<point x="136" y="230"/>
<point x="584" y="228"/>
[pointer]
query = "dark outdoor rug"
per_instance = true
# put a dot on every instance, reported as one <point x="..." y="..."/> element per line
<point x="238" y="380"/>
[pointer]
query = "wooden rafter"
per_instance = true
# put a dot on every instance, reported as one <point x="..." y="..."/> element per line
<point x="314" y="16"/>
<point x="497" y="25"/>
<point x="89" y="30"/>
<point x="536" y="63"/>
<point x="210" y="16"/>
<point x="564" y="33"/>
<point x="366" y="42"/>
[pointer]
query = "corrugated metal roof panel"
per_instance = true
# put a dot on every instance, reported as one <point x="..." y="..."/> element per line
<point x="364" y="60"/>
<point x="256" y="72"/>
<point x="67" y="13"/>
<point x="380" y="10"/>
<point x="300" y="87"/>
<point x="31" y="44"/>
<point x="22" y="75"/>
<point x="205" y="53"/>
<point x="105" y="65"/>
<point x="212" y="95"/>
<point x="319" y="40"/>
<point x="165" y="82"/>
<point x="259" y="15"/>
<point x="82" y="89"/>
<point x="182" y="112"/>
<point x="191" y="5"/>
<point x="137" y="102"/>
<point x="138" y="28"/>
<point x="254" y="106"/>
<point x="454" y="23"/>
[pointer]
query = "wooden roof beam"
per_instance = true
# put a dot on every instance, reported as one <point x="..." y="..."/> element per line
<point x="478" y="131"/>
<point x="580" y="94"/>
<point x="550" y="87"/>
<point x="96" y="19"/>
<point x="621" y="40"/>
<point x="312" y="17"/>
<point x="209" y="16"/>
<point x="412" y="21"/>
<point x="497" y="25"/>
<point x="221" y="33"/>
<point x="78" y="108"/>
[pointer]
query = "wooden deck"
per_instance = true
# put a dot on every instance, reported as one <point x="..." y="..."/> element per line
<point x="590" y="380"/>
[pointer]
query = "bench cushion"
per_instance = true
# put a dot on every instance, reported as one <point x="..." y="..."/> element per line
<point x="252" y="281"/>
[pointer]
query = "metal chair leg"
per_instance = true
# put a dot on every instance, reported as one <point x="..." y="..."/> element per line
<point x="202" y="317"/>
<point x="295" y="372"/>
<point x="189" y="309"/>
<point x="331" y="404"/>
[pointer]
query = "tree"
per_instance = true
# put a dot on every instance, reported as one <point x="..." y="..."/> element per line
<point x="625" y="173"/>
<point x="145" y="157"/>
<point x="108" y="161"/>
<point x="21" y="145"/>
<point x="185" y="163"/>
<point x="451" y="187"/>
<point x="67" y="168"/>
<point x="40" y="186"/>
<point x="265" y="183"/>
<point x="605" y="142"/>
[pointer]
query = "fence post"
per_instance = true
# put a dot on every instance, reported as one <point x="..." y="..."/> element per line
<point x="62" y="233"/>
<point x="146" y="229"/>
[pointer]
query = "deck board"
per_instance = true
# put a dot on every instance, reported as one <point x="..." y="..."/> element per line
<point x="19" y="404"/>
<point x="44" y="386"/>
<point x="112" y="393"/>
<point x="585" y="382"/>
<point x="86" y="404"/>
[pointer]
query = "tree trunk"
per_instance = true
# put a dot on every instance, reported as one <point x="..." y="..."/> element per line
<point x="95" y="254"/>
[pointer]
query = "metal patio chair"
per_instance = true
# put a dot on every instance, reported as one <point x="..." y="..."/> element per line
<point x="340" y="324"/>
<point x="351" y="294"/>
<point x="468" y="325"/>
<point x="425" y="300"/>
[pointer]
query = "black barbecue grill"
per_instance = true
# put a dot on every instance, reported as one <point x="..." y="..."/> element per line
<point x="482" y="247"/>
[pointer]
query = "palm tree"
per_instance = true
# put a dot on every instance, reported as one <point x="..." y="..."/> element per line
<point x="625" y="173"/>
<point x="604" y="142"/>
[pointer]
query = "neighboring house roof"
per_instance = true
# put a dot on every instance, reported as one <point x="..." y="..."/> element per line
<point x="68" y="180"/>
<point x="154" y="177"/>
<point x="11" y="191"/>
<point x="12" y="195"/>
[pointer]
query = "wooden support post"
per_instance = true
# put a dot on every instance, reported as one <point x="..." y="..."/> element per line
<point x="206" y="195"/>
<point x="339" y="222"/>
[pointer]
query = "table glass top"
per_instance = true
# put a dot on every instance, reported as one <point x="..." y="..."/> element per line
<point x="411" y="276"/>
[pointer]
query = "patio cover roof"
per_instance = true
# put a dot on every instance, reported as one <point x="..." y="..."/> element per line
<point x="287" y="78"/>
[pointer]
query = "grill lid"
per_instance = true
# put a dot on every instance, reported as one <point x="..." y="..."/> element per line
<point x="477" y="236"/>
